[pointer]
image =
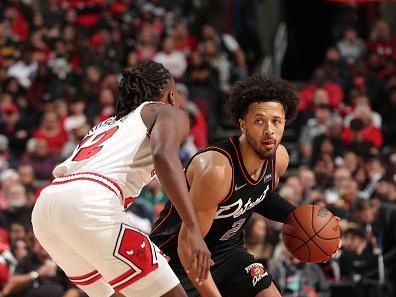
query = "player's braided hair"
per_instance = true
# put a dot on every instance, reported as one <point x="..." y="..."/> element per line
<point x="144" y="82"/>
<point x="257" y="88"/>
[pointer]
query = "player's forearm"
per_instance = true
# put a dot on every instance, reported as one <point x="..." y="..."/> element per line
<point x="276" y="208"/>
<point x="171" y="175"/>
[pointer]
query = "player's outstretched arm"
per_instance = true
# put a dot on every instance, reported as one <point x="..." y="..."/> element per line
<point x="169" y="130"/>
<point x="209" y="176"/>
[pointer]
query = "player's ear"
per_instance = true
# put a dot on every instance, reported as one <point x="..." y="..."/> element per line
<point x="172" y="98"/>
<point x="242" y="125"/>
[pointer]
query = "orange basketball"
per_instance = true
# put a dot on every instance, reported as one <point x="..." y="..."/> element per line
<point x="311" y="233"/>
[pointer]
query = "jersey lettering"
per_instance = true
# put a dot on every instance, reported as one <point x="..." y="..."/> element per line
<point x="235" y="227"/>
<point x="96" y="144"/>
<point x="236" y="209"/>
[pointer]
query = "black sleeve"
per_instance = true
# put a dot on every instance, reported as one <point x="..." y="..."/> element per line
<point x="275" y="207"/>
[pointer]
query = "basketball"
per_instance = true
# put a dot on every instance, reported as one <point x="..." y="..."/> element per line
<point x="311" y="233"/>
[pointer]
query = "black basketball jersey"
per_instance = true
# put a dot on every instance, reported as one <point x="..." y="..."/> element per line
<point x="233" y="212"/>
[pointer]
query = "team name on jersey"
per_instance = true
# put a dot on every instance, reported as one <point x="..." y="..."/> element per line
<point x="105" y="123"/>
<point x="237" y="208"/>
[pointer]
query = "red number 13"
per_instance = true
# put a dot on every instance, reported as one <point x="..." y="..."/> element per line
<point x="89" y="151"/>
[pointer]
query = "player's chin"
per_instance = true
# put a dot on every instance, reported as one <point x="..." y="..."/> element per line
<point x="266" y="154"/>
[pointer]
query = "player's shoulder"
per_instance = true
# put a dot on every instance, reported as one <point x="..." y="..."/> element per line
<point x="282" y="160"/>
<point x="211" y="172"/>
<point x="211" y="165"/>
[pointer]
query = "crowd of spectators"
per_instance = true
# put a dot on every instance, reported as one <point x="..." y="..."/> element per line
<point x="60" y="61"/>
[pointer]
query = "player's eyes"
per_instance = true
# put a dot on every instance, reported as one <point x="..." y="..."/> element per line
<point x="258" y="121"/>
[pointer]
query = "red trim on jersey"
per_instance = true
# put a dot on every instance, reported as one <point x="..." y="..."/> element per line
<point x="166" y="241"/>
<point x="164" y="219"/>
<point x="81" y="277"/>
<point x="87" y="282"/>
<point x="79" y="176"/>
<point x="247" y="178"/>
<point x="85" y="178"/>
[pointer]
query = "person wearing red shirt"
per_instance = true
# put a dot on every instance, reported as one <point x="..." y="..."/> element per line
<point x="51" y="130"/>
<point x="335" y="92"/>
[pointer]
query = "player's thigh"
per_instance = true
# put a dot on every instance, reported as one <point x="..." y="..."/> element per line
<point x="245" y="277"/>
<point x="271" y="291"/>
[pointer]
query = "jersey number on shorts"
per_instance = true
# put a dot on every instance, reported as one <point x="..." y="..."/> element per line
<point x="235" y="228"/>
<point x="96" y="145"/>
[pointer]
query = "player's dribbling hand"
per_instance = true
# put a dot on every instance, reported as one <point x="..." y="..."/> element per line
<point x="339" y="245"/>
<point x="194" y="254"/>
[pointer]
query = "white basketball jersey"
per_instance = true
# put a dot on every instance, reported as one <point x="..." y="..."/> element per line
<point x="116" y="149"/>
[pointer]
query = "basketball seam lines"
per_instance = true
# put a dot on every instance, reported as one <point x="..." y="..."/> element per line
<point x="314" y="234"/>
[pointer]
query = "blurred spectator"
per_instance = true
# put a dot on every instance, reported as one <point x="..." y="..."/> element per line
<point x="218" y="61"/>
<point x="14" y="127"/>
<point x="255" y="232"/>
<point x="184" y="42"/>
<point x="319" y="80"/>
<point x="375" y="171"/>
<point x="351" y="47"/>
<point x="39" y="157"/>
<point x="146" y="47"/>
<point x="76" y="118"/>
<point x="296" y="278"/>
<point x="171" y="58"/>
<point x="198" y="124"/>
<point x="18" y="210"/>
<point x="379" y="221"/>
<point x="362" y="105"/>
<point x="48" y="281"/>
<point x="382" y="42"/>
<point x="52" y="132"/>
<point x="28" y="180"/>
<point x="332" y="194"/>
<point x="297" y="189"/>
<point x="362" y="134"/>
<point x="385" y="190"/>
<point x="307" y="180"/>
<point x="25" y="69"/>
<point x="314" y="127"/>
<point x="225" y="44"/>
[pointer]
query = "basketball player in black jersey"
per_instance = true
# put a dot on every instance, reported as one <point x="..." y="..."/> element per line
<point x="230" y="180"/>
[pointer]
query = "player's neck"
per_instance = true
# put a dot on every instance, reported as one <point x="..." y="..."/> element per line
<point x="251" y="161"/>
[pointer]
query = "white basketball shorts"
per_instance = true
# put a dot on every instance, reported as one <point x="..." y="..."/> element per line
<point x="82" y="225"/>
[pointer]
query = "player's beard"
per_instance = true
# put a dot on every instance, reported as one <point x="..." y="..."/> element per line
<point x="263" y="155"/>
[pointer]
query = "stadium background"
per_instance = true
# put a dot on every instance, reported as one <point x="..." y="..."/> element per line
<point x="60" y="61"/>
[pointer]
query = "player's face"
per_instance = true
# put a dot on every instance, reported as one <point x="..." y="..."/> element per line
<point x="263" y="126"/>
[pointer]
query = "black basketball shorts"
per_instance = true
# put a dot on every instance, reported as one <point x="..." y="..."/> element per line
<point x="236" y="275"/>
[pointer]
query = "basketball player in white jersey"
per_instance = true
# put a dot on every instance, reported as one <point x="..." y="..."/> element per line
<point x="80" y="220"/>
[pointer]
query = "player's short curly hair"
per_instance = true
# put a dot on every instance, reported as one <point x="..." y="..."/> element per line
<point x="258" y="88"/>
